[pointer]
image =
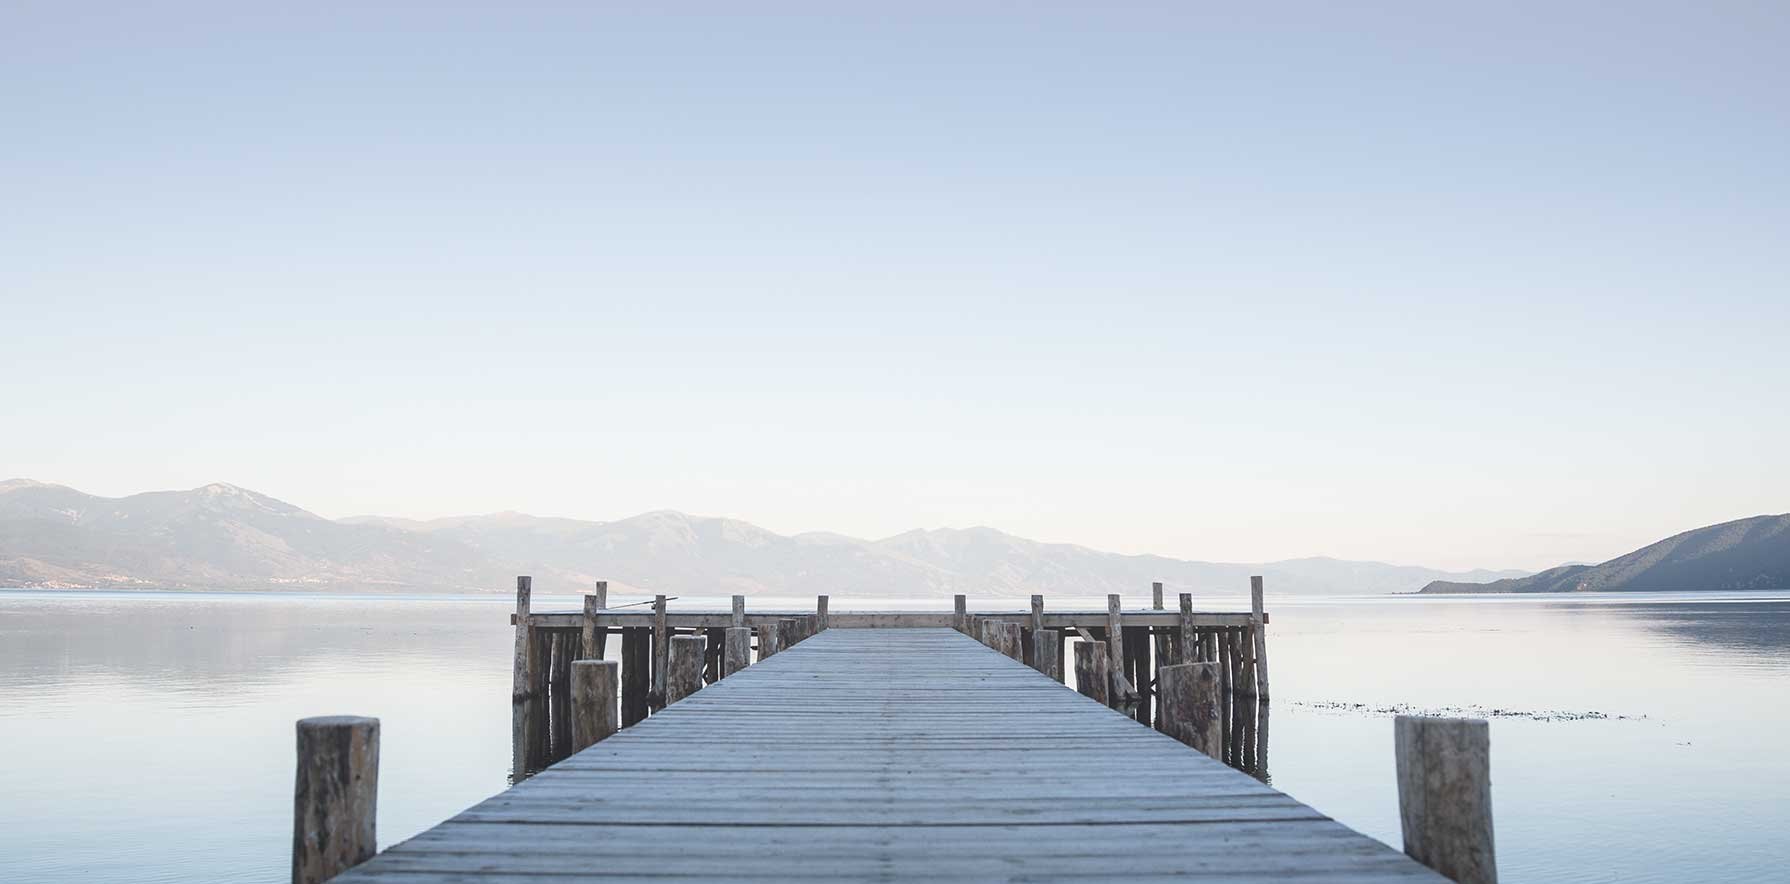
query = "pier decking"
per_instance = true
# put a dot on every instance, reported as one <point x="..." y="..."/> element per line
<point x="889" y="754"/>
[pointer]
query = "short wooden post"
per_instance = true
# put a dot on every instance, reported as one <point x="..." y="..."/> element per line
<point x="1115" y="647"/>
<point x="335" y="798"/>
<point x="596" y="710"/>
<point x="738" y="650"/>
<point x="820" y="614"/>
<point x="1445" y="795"/>
<point x="523" y="681"/>
<point x="1258" y="626"/>
<point x="789" y="631"/>
<point x="767" y="640"/>
<point x="587" y="644"/>
<point x="1091" y="671"/>
<point x="684" y="675"/>
<point x="1191" y="711"/>
<point x="661" y="650"/>
<point x="739" y="610"/>
<point x="960" y="616"/>
<point x="1044" y="653"/>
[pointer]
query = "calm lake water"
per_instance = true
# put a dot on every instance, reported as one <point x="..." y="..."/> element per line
<point x="148" y="737"/>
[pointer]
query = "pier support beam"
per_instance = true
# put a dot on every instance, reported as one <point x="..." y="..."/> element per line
<point x="1045" y="646"/>
<point x="522" y="684"/>
<point x="820" y="614"/>
<point x="1445" y="795"/>
<point x="684" y="675"/>
<point x="1191" y="711"/>
<point x="637" y="680"/>
<point x="335" y="797"/>
<point x="960" y="616"/>
<point x="596" y="692"/>
<point x="661" y="651"/>
<point x="1258" y="635"/>
<point x="596" y="640"/>
<point x="767" y="640"/>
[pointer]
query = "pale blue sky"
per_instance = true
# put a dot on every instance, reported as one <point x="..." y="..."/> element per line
<point x="1464" y="287"/>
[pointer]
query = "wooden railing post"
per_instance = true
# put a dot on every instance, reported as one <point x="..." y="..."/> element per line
<point x="1258" y="627"/>
<point x="596" y="701"/>
<point x="1191" y="711"/>
<point x="335" y="798"/>
<point x="1189" y="640"/>
<point x="738" y="650"/>
<point x="684" y="675"/>
<point x="1091" y="671"/>
<point x="1445" y="795"/>
<point x="661" y="650"/>
<point x="522" y="684"/>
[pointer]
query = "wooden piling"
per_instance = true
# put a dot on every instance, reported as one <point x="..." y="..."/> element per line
<point x="739" y="610"/>
<point x="789" y="631"/>
<point x="1258" y="629"/>
<point x="767" y="640"/>
<point x="1003" y="636"/>
<point x="1160" y="637"/>
<point x="523" y="674"/>
<point x="596" y="639"/>
<point x="1137" y="670"/>
<point x="737" y="650"/>
<point x="960" y="617"/>
<point x="1115" y="648"/>
<point x="1190" y="706"/>
<point x="1445" y="795"/>
<point x="820" y="614"/>
<point x="334" y="805"/>
<point x="1188" y="648"/>
<point x="683" y="675"/>
<point x="1091" y="677"/>
<point x="661" y="651"/>
<point x="637" y="682"/>
<point x="596" y="690"/>
<point x="1044" y="653"/>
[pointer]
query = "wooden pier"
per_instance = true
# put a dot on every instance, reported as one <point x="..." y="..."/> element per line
<point x="893" y="746"/>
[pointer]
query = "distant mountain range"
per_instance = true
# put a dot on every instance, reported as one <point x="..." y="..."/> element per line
<point x="1743" y="554"/>
<point x="224" y="537"/>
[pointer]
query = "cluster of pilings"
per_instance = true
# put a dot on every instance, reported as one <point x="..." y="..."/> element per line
<point x="659" y="664"/>
<point x="1137" y="668"/>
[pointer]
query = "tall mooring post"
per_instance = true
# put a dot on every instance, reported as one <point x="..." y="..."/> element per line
<point x="1445" y="795"/>
<point x="334" y="804"/>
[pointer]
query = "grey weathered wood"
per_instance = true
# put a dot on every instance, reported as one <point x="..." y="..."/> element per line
<point x="1189" y="645"/>
<point x="684" y="675"/>
<point x="960" y="618"/>
<point x="739" y="611"/>
<point x="1445" y="795"/>
<point x="661" y="650"/>
<point x="738" y="650"/>
<point x="1115" y="650"/>
<point x="789" y="633"/>
<point x="597" y="643"/>
<point x="768" y="633"/>
<point x="596" y="701"/>
<point x="1003" y="637"/>
<point x="523" y="673"/>
<point x="820" y="614"/>
<point x="587" y="641"/>
<point x="1191" y="711"/>
<point x="335" y="798"/>
<point x="1037" y="622"/>
<point x="1044" y="653"/>
<point x="1160" y="638"/>
<point x="1091" y="661"/>
<point x="1057" y="619"/>
<point x="1258" y="616"/>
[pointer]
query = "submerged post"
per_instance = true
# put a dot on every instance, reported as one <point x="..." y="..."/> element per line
<point x="960" y="616"/>
<point x="1091" y="672"/>
<point x="737" y="650"/>
<point x="1445" y="795"/>
<point x="596" y="706"/>
<point x="523" y="683"/>
<point x="684" y="676"/>
<point x="1191" y="711"/>
<point x="335" y="797"/>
